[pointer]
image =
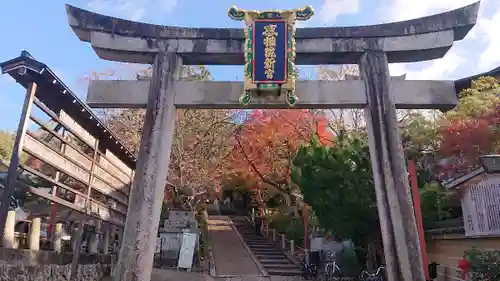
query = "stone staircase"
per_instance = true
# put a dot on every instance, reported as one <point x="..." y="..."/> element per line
<point x="272" y="259"/>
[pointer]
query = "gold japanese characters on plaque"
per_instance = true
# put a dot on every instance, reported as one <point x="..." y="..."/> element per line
<point x="270" y="51"/>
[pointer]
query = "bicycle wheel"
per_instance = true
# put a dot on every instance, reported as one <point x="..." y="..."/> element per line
<point x="336" y="276"/>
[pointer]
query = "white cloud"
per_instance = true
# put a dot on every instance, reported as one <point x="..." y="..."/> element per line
<point x="134" y="10"/>
<point x="476" y="53"/>
<point x="333" y="8"/>
<point x="487" y="31"/>
<point x="397" y="10"/>
<point x="435" y="70"/>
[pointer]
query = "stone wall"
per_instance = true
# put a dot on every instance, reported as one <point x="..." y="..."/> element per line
<point x="20" y="272"/>
<point x="448" y="249"/>
<point x="29" y="265"/>
<point x="23" y="256"/>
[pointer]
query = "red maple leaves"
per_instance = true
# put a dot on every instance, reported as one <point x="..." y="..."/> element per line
<point x="266" y="143"/>
<point x="471" y="137"/>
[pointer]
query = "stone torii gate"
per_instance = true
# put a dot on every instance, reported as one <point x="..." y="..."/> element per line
<point x="371" y="47"/>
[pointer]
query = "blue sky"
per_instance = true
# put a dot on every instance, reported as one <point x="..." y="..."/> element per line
<point x="41" y="28"/>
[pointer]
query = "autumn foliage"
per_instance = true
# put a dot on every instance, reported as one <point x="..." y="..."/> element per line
<point x="473" y="128"/>
<point x="268" y="140"/>
<point x="471" y="137"/>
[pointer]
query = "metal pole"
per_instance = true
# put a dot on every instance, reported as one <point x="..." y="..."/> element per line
<point x="16" y="155"/>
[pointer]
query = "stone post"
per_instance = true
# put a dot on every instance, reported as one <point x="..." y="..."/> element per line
<point x="8" y="234"/>
<point x="283" y="241"/>
<point x="136" y="254"/>
<point x="119" y="232"/>
<point x="274" y="235"/>
<point x="78" y="240"/>
<point x="34" y="238"/>
<point x="94" y="238"/>
<point x="397" y="220"/>
<point x="74" y="234"/>
<point x="105" y="239"/>
<point x="57" y="237"/>
<point x="292" y="247"/>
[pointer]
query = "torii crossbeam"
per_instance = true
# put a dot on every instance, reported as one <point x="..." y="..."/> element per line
<point x="371" y="47"/>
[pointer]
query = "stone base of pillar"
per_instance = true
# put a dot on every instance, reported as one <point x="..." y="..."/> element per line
<point x="95" y="237"/>
<point x="57" y="237"/>
<point x="34" y="236"/>
<point x="8" y="235"/>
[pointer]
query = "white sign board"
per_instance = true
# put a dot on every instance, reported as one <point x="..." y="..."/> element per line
<point x="187" y="250"/>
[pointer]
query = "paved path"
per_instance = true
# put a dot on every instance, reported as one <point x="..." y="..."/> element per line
<point x="177" y="275"/>
<point x="230" y="255"/>
<point x="174" y="275"/>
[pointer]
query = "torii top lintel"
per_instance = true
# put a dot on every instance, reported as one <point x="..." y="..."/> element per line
<point x="419" y="39"/>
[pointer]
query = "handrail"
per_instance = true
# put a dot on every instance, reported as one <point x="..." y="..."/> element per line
<point x="286" y="244"/>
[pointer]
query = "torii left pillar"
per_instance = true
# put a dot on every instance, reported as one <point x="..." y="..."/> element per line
<point x="136" y="254"/>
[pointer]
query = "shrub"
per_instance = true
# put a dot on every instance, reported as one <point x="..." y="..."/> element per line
<point x="279" y="222"/>
<point x="292" y="228"/>
<point x="348" y="263"/>
<point x="485" y="264"/>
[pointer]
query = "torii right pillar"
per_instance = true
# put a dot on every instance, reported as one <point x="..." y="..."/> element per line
<point x="397" y="220"/>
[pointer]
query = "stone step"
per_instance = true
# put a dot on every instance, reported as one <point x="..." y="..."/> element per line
<point x="260" y="245"/>
<point x="273" y="258"/>
<point x="265" y="257"/>
<point x="281" y="266"/>
<point x="265" y="250"/>
<point x="268" y="261"/>
<point x="274" y="261"/>
<point x="253" y="242"/>
<point x="247" y="231"/>
<point x="295" y="272"/>
<point x="256" y="240"/>
<point x="271" y="254"/>
<point x="252" y="236"/>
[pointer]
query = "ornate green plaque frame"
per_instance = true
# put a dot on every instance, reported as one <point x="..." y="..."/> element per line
<point x="270" y="54"/>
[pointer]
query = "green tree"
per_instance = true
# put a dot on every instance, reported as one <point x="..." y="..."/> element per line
<point x="477" y="101"/>
<point x="6" y="144"/>
<point x="435" y="203"/>
<point x="337" y="182"/>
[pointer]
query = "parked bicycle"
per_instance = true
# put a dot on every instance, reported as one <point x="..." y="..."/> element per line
<point x="332" y="272"/>
<point x="309" y="270"/>
<point x="378" y="275"/>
